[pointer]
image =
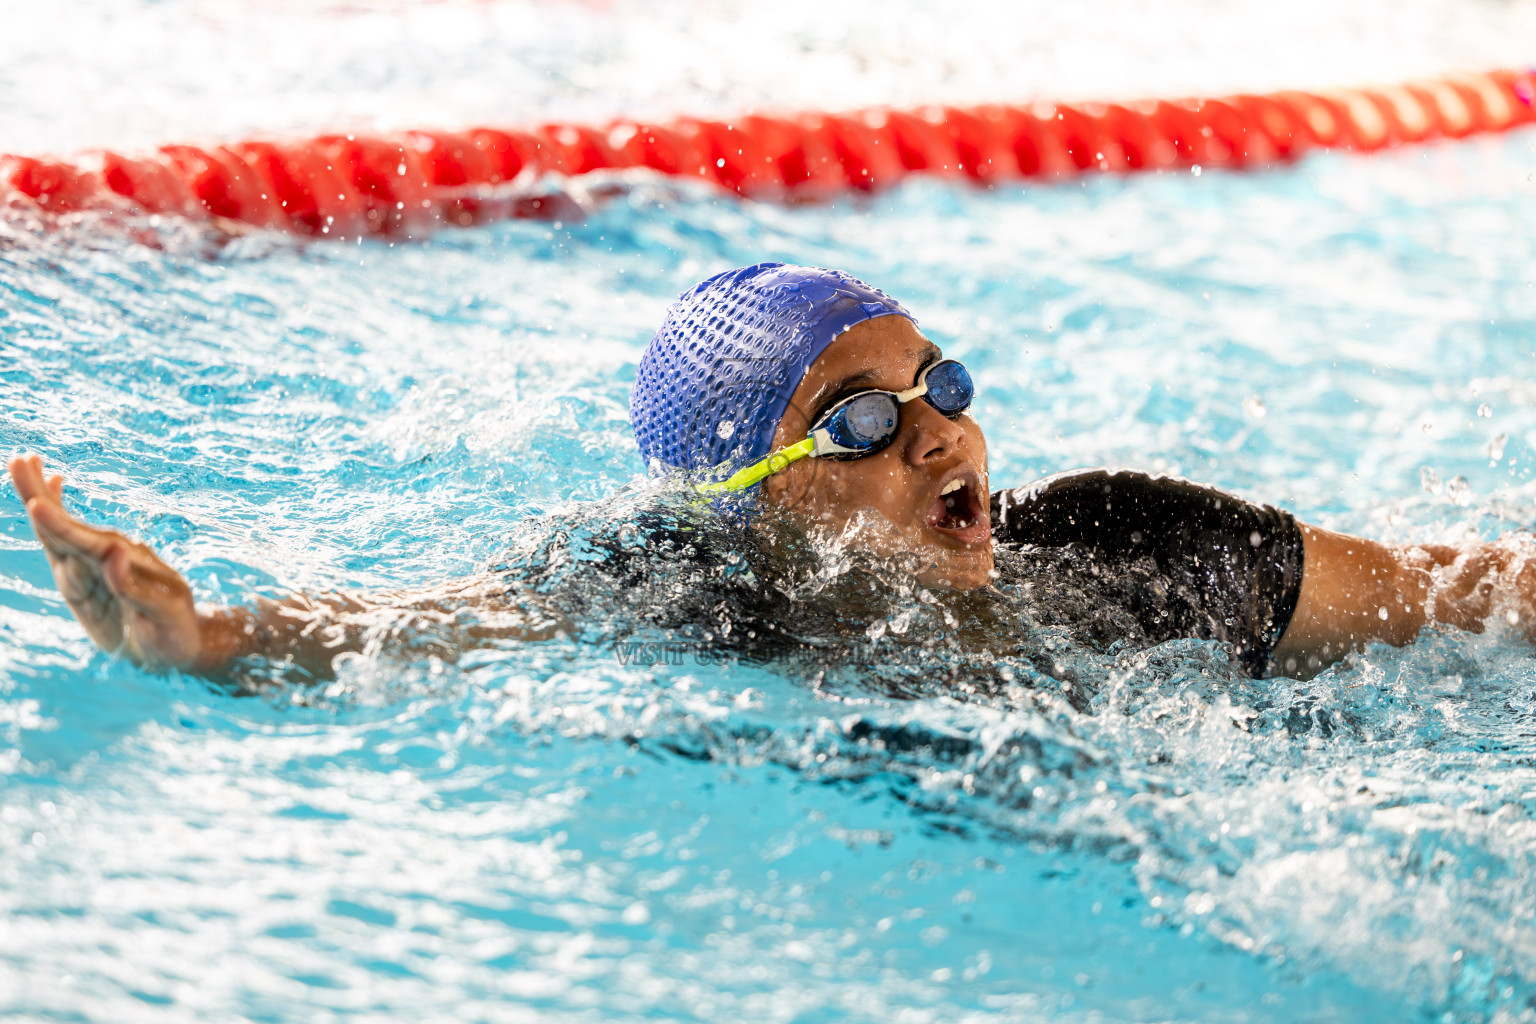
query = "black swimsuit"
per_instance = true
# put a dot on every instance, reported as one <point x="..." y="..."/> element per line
<point x="1101" y="558"/>
<point x="1181" y="559"/>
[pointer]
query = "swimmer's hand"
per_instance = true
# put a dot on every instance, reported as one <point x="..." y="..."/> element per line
<point x="129" y="601"/>
<point x="132" y="603"/>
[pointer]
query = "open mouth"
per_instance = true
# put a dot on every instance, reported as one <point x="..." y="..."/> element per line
<point x="959" y="511"/>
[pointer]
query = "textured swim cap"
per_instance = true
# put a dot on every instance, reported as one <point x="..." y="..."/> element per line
<point x="715" y="380"/>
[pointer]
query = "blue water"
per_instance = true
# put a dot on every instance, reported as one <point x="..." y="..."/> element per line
<point x="543" y="832"/>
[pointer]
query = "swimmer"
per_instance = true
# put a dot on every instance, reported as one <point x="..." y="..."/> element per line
<point x="804" y="398"/>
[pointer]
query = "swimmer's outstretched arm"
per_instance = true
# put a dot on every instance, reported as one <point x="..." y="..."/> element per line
<point x="1354" y="591"/>
<point x="130" y="602"/>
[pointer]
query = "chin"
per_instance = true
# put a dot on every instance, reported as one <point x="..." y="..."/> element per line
<point x="959" y="571"/>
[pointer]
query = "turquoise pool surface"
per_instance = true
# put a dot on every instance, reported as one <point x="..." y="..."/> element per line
<point x="555" y="831"/>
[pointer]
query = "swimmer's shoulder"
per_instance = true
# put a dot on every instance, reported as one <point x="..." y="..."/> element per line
<point x="1099" y="503"/>
<point x="1057" y="509"/>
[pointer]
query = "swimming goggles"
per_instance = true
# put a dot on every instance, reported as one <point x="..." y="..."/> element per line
<point x="862" y="424"/>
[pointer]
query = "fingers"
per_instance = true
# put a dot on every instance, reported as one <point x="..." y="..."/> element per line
<point x="84" y="550"/>
<point x="63" y="534"/>
<point x="28" y="479"/>
<point x="123" y="594"/>
<point x="26" y="474"/>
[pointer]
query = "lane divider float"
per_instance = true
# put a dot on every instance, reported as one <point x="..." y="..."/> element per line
<point x="407" y="185"/>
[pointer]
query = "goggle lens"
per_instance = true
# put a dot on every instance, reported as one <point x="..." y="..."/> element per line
<point x="950" y="389"/>
<point x="865" y="423"/>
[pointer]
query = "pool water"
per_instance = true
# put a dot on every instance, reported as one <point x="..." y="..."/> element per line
<point x="560" y="831"/>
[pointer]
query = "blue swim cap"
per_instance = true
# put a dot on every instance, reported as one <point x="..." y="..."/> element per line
<point x="715" y="380"/>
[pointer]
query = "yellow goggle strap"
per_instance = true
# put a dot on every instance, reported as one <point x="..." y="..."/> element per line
<point x="749" y="475"/>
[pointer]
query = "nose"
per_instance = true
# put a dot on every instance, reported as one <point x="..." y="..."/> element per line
<point x="927" y="433"/>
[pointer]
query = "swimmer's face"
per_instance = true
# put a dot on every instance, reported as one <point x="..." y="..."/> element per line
<point x="892" y="501"/>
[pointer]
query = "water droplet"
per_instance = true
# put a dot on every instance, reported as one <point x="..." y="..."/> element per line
<point x="1496" y="447"/>
<point x="725" y="430"/>
<point x="1254" y="406"/>
<point x="1485" y="410"/>
<point x="1459" y="490"/>
<point x="1430" y="480"/>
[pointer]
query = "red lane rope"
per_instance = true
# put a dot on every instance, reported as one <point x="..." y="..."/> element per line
<point x="406" y="185"/>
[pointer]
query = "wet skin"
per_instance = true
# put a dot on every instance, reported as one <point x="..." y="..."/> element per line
<point x="890" y="501"/>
